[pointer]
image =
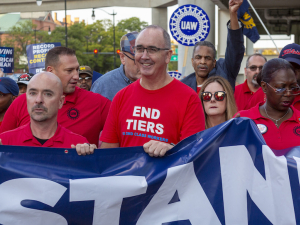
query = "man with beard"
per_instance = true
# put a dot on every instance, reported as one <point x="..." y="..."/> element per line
<point x="204" y="54"/>
<point x="44" y="98"/>
<point x="250" y="89"/>
<point x="85" y="77"/>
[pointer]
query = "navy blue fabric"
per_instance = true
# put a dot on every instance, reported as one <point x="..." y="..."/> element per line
<point x="250" y="29"/>
<point x="7" y="59"/>
<point x="229" y="67"/>
<point x="110" y="83"/>
<point x="38" y="52"/>
<point x="202" y="149"/>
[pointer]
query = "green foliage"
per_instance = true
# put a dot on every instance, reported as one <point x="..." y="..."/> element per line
<point x="81" y="37"/>
<point x="131" y="24"/>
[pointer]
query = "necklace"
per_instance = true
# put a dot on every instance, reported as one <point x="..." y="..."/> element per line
<point x="279" y="118"/>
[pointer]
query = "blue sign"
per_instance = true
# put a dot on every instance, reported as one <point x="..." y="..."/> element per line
<point x="223" y="175"/>
<point x="96" y="75"/>
<point x="36" y="55"/>
<point x="189" y="24"/>
<point x="175" y="74"/>
<point x="7" y="59"/>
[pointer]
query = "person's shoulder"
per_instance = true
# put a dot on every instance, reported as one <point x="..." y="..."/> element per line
<point x="182" y="87"/>
<point x="251" y="113"/>
<point x="188" y="78"/>
<point x="20" y="101"/>
<point x="90" y="96"/>
<point x="14" y="132"/>
<point x="71" y="135"/>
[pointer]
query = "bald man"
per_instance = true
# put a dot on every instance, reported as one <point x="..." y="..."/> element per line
<point x="44" y="98"/>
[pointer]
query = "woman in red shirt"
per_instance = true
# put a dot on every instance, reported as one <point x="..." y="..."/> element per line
<point x="277" y="120"/>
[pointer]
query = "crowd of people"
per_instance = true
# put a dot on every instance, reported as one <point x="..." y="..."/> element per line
<point x="139" y="104"/>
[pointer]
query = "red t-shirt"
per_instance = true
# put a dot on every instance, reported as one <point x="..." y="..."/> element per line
<point x="83" y="113"/>
<point x="245" y="98"/>
<point x="22" y="136"/>
<point x="286" y="136"/>
<point x="296" y="102"/>
<point x="138" y="115"/>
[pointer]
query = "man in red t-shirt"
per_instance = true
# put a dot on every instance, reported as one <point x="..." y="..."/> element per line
<point x="156" y="111"/>
<point x="250" y="89"/>
<point x="44" y="99"/>
<point x="83" y="112"/>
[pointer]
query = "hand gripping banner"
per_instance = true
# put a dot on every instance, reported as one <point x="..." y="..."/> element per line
<point x="224" y="175"/>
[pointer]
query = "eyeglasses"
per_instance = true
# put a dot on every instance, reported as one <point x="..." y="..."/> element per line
<point x="128" y="56"/>
<point x="254" y="68"/>
<point x="150" y="50"/>
<point x="86" y="79"/>
<point x="219" y="96"/>
<point x="281" y="91"/>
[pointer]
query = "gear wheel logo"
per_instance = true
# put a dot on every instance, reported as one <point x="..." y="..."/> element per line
<point x="189" y="24"/>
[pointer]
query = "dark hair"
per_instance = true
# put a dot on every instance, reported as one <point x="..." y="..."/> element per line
<point x="52" y="57"/>
<point x="165" y="34"/>
<point x="255" y="54"/>
<point x="270" y="67"/>
<point x="207" y="44"/>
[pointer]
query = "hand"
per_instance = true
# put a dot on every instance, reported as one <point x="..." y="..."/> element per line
<point x="156" y="148"/>
<point x="1" y="73"/>
<point x="84" y="149"/>
<point x="237" y="115"/>
<point x="1" y="142"/>
<point x="234" y="5"/>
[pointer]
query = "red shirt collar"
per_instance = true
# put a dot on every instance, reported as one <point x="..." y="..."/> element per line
<point x="256" y="114"/>
<point x="57" y="137"/>
<point x="72" y="97"/>
<point x="246" y="88"/>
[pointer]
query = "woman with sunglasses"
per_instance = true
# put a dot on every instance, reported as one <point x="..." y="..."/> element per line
<point x="277" y="120"/>
<point x="217" y="101"/>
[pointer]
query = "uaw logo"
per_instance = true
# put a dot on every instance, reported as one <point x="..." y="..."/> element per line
<point x="73" y="113"/>
<point x="175" y="74"/>
<point x="297" y="130"/>
<point x="248" y="21"/>
<point x="189" y="24"/>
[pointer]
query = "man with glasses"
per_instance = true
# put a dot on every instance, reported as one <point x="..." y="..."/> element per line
<point x="204" y="55"/>
<point x="157" y="111"/>
<point x="85" y="77"/>
<point x="249" y="93"/>
<point x="110" y="83"/>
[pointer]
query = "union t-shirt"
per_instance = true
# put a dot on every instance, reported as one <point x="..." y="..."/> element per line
<point x="138" y="115"/>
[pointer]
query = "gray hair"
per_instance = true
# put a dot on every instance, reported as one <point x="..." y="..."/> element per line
<point x="207" y="44"/>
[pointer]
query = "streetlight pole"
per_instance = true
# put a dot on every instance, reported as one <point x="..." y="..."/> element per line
<point x="35" y="30"/>
<point x="114" y="29"/>
<point x="66" y="28"/>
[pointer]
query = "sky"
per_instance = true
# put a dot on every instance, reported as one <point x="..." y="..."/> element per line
<point x="145" y="15"/>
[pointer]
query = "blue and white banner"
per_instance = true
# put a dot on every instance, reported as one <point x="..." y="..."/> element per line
<point x="189" y="24"/>
<point x="7" y="59"/>
<point x="36" y="55"/>
<point x="224" y="175"/>
<point x="175" y="74"/>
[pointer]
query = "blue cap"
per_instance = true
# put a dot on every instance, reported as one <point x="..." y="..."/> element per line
<point x="291" y="53"/>
<point x="128" y="41"/>
<point x="8" y="85"/>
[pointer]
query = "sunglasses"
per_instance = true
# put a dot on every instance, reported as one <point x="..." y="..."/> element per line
<point x="254" y="68"/>
<point x="219" y="96"/>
